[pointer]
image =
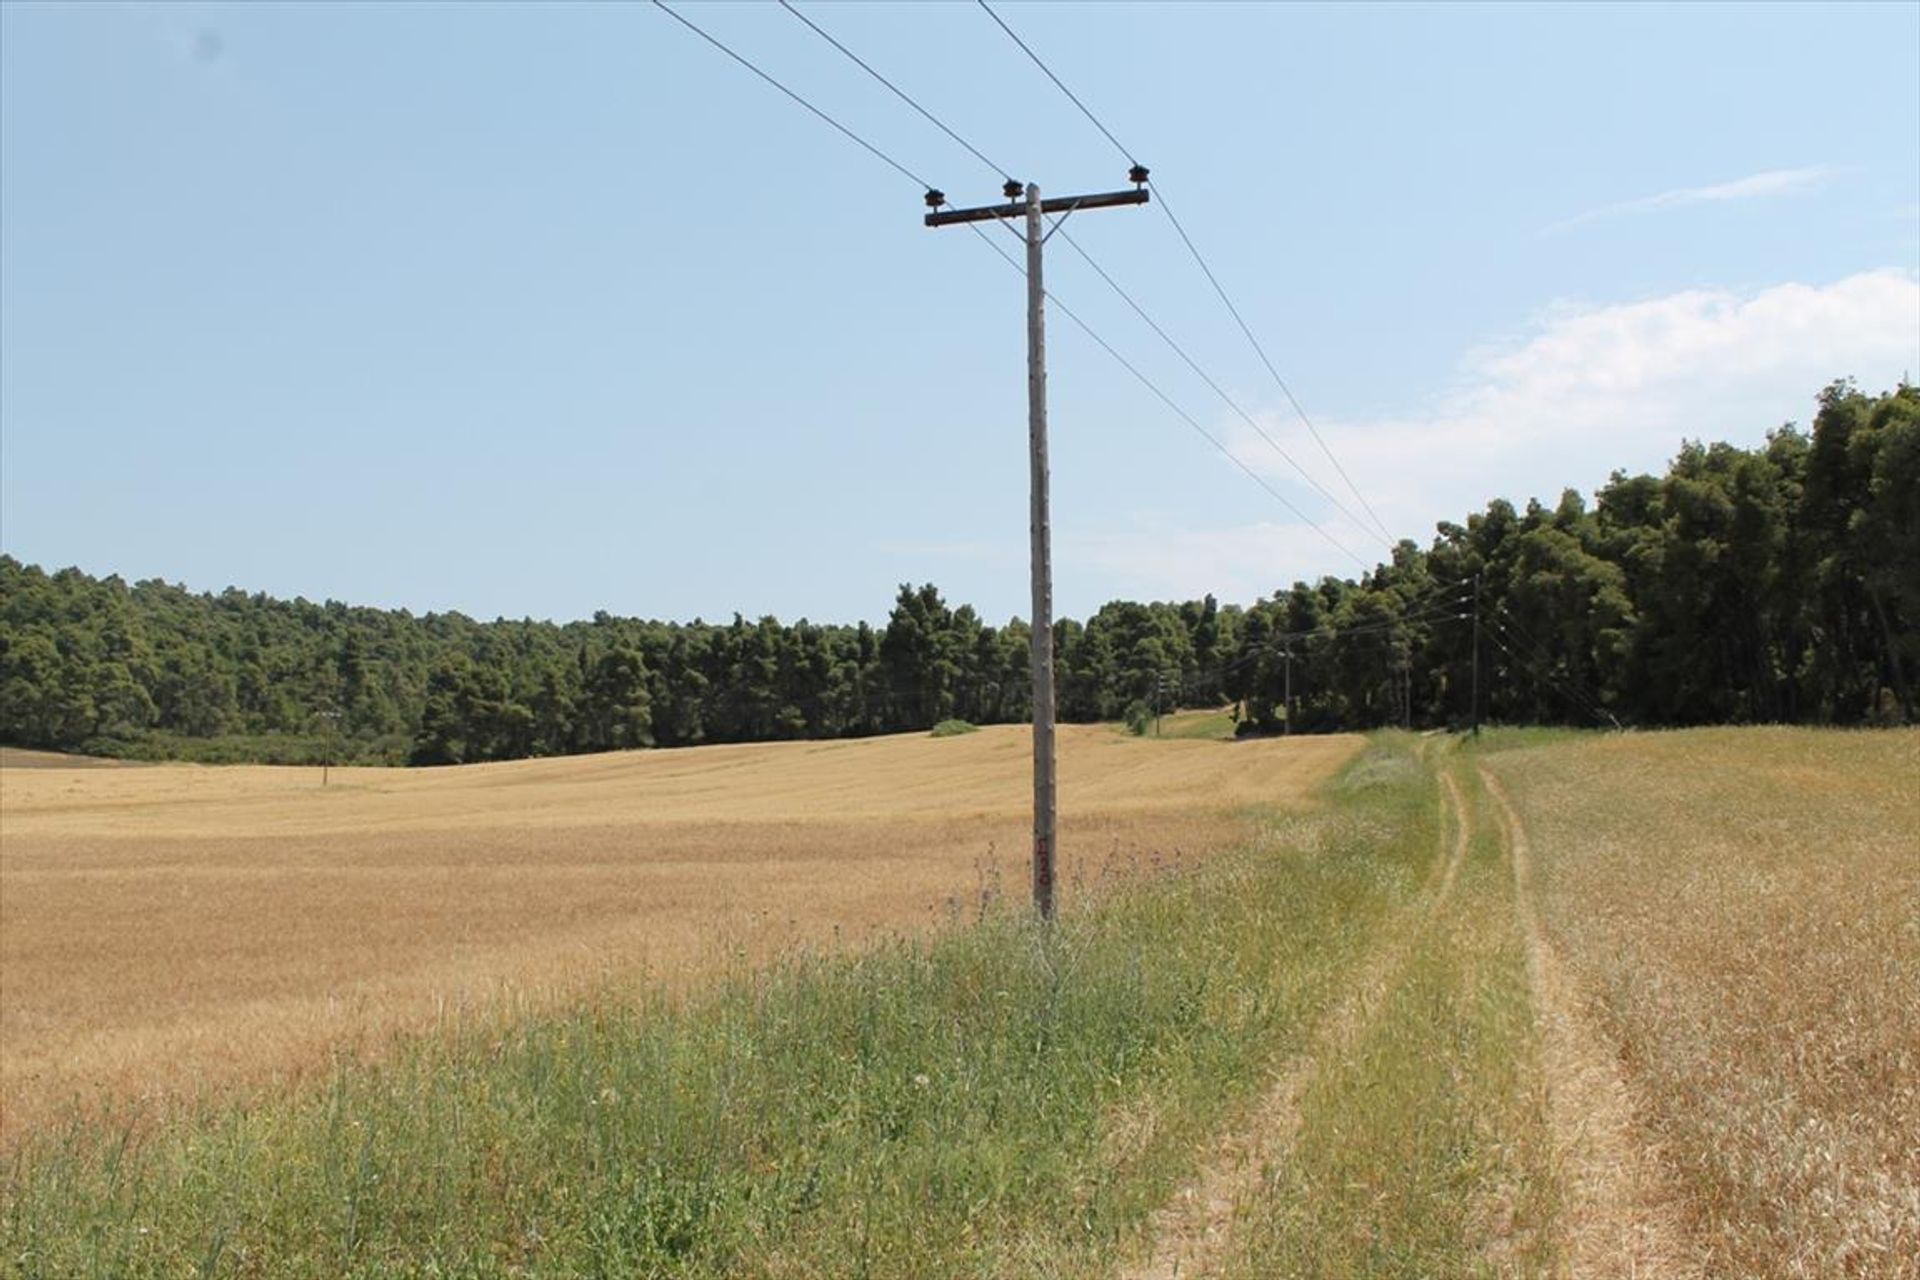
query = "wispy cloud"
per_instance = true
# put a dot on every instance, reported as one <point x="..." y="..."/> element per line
<point x="1773" y="182"/>
<point x="1581" y="391"/>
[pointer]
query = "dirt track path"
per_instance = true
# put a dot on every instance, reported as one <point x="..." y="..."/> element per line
<point x="1618" y="1219"/>
<point x="1191" y="1231"/>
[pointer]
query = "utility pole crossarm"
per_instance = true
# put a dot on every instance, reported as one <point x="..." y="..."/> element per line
<point x="1018" y="208"/>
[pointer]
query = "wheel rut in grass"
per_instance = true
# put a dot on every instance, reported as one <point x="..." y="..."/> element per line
<point x="1192" y="1230"/>
<point x="1618" y="1218"/>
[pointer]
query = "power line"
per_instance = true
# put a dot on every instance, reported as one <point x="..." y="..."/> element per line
<point x="1207" y="270"/>
<point x="1218" y="390"/>
<point x="907" y="98"/>
<point x="1504" y="617"/>
<point x="1069" y="312"/>
<point x="1529" y="661"/>
<point x="1127" y="155"/>
<point x="1335" y="632"/>
<point x="1261" y="351"/>
<point x="898" y="92"/>
<point x="1539" y="661"/>
<point x="1331" y="632"/>
<point x="743" y="61"/>
<point x="1436" y="609"/>
<point x="1081" y="250"/>
<point x="1514" y="624"/>
<point x="1182" y="414"/>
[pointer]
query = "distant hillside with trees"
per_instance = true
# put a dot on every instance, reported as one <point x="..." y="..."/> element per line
<point x="1780" y="583"/>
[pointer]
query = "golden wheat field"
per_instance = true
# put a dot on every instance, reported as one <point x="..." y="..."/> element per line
<point x="1741" y="908"/>
<point x="171" y="928"/>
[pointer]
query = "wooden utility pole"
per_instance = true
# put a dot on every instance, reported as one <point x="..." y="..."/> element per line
<point x="1288" y="699"/>
<point x="1040" y="527"/>
<point x="1031" y="208"/>
<point x="1476" y="655"/>
<point x="332" y="718"/>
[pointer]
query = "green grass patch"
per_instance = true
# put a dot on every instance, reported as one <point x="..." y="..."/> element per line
<point x="1494" y="739"/>
<point x="954" y="728"/>
<point x="1002" y="1099"/>
<point x="1198" y="724"/>
<point x="1423" y="1147"/>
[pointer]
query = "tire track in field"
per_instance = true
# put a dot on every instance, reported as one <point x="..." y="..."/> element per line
<point x="1619" y="1219"/>
<point x="1192" y="1230"/>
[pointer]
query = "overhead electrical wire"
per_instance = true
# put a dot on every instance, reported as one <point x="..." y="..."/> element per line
<point x="1324" y="634"/>
<point x="1514" y="624"/>
<point x="1303" y="639"/>
<point x="1113" y="284"/>
<point x="1435" y="609"/>
<point x="715" y="42"/>
<point x="1531" y="662"/>
<point x="1501" y="627"/>
<point x="1368" y="629"/>
<point x="1431" y="612"/>
<point x="1540" y="663"/>
<point x="1285" y="390"/>
<point x="1182" y="414"/>
<point x="1064" y="309"/>
<point x="1438" y="613"/>
<point x="1504" y="618"/>
<point x="1218" y="390"/>
<point x="1200" y="259"/>
<point x="1088" y="329"/>
<point x="1058" y="82"/>
<point x="898" y="92"/>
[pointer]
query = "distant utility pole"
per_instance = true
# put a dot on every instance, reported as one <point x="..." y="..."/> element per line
<point x="1031" y="208"/>
<point x="1476" y="655"/>
<point x="1160" y="695"/>
<point x="332" y="718"/>
<point x="1288" y="697"/>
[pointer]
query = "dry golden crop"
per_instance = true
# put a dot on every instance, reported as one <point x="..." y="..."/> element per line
<point x="1743" y="907"/>
<point x="178" y="927"/>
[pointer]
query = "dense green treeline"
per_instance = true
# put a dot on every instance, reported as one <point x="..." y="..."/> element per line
<point x="1774" y="584"/>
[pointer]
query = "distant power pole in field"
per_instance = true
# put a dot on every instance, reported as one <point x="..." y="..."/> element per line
<point x="1032" y="208"/>
<point x="1287" y="698"/>
<point x="1160" y="695"/>
<point x="331" y="718"/>
<point x="1476" y="655"/>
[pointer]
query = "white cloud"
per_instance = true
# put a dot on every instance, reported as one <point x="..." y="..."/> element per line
<point x="1772" y="182"/>
<point x="1585" y="390"/>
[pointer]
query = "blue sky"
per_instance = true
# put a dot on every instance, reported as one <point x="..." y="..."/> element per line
<point x="543" y="310"/>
